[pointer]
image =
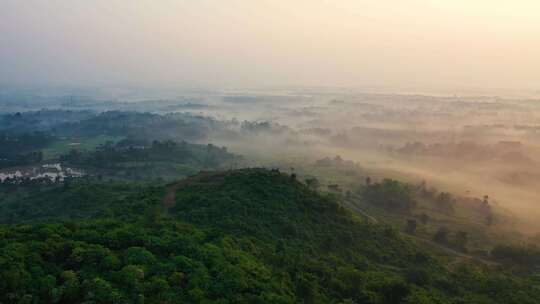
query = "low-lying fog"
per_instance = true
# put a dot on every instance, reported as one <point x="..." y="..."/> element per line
<point x="472" y="146"/>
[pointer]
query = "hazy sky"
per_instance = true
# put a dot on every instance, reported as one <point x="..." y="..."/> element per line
<point x="484" y="43"/>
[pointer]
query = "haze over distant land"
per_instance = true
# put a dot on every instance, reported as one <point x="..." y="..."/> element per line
<point x="270" y="151"/>
<point x="463" y="47"/>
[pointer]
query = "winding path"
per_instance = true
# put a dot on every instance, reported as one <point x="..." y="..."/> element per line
<point x="204" y="176"/>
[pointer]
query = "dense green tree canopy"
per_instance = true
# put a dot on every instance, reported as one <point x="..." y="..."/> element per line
<point x="247" y="236"/>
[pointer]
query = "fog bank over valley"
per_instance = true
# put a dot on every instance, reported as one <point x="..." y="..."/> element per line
<point x="469" y="145"/>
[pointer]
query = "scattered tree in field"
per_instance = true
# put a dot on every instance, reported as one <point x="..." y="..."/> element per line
<point x="313" y="183"/>
<point x="390" y="194"/>
<point x="486" y="210"/>
<point x="424" y="218"/>
<point x="335" y="188"/>
<point x="422" y="188"/>
<point x="441" y="236"/>
<point x="411" y="226"/>
<point x="445" y="203"/>
<point x="461" y="240"/>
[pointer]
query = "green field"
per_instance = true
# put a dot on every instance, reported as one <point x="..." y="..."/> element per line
<point x="64" y="145"/>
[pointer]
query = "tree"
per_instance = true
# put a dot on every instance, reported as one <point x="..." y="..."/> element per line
<point x="485" y="209"/>
<point x="307" y="288"/>
<point x="422" y="187"/>
<point x="313" y="183"/>
<point x="99" y="290"/>
<point x="445" y="203"/>
<point x="139" y="256"/>
<point x="441" y="236"/>
<point x="178" y="280"/>
<point x="390" y="194"/>
<point x="411" y="226"/>
<point x="335" y="188"/>
<point x="131" y="276"/>
<point x="424" y="218"/>
<point x="71" y="285"/>
<point x="461" y="240"/>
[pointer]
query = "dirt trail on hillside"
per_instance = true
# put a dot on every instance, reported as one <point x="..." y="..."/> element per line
<point x="463" y="257"/>
<point x="203" y="177"/>
<point x="351" y="205"/>
<point x="170" y="197"/>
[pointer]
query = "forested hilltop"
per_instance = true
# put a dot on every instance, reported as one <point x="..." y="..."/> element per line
<point x="241" y="236"/>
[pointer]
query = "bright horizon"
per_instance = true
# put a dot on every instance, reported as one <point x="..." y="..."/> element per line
<point x="405" y="44"/>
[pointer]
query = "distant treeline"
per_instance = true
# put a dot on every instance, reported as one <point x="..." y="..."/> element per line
<point x="22" y="149"/>
<point x="111" y="155"/>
